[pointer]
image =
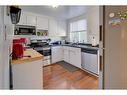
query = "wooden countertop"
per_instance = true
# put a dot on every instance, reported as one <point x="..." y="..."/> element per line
<point x="29" y="52"/>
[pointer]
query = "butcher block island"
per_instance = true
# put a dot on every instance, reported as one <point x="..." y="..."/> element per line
<point x="27" y="72"/>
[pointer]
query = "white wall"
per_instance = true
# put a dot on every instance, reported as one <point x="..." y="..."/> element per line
<point x="93" y="23"/>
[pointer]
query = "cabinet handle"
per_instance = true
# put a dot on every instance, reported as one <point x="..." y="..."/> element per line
<point x="101" y="63"/>
<point x="101" y="34"/>
<point x="5" y="35"/>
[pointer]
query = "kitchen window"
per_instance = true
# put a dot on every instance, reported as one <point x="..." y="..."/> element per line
<point x="78" y="31"/>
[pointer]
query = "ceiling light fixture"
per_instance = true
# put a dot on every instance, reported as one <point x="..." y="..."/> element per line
<point x="55" y="6"/>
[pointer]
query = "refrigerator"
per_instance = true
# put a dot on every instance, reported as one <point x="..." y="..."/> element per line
<point x="114" y="26"/>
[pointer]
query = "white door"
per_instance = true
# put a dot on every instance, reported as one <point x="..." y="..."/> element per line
<point x="42" y="23"/>
<point x="57" y="54"/>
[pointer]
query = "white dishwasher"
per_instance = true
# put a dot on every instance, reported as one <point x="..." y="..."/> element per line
<point x="90" y="60"/>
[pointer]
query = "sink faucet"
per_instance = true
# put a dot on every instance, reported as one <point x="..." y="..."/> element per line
<point x="77" y="42"/>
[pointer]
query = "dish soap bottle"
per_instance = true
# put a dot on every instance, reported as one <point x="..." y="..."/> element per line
<point x="93" y="41"/>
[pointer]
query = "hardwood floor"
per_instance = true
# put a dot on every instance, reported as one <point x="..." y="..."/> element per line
<point x="57" y="77"/>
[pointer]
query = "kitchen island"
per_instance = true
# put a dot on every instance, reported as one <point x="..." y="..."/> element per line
<point x="27" y="72"/>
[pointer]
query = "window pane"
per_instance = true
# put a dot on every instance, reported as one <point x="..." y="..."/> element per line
<point x="78" y="36"/>
<point x="74" y="36"/>
<point x="82" y="37"/>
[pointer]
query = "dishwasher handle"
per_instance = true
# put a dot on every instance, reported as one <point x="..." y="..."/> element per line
<point x="91" y="51"/>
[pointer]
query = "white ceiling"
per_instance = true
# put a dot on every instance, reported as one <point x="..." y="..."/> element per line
<point x="63" y="12"/>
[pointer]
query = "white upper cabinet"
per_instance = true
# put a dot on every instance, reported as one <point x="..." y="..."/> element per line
<point x="53" y="28"/>
<point x="62" y="28"/>
<point x="42" y="23"/>
<point x="27" y="19"/>
<point x="31" y="20"/>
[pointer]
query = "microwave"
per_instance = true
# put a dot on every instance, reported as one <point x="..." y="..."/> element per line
<point x="24" y="30"/>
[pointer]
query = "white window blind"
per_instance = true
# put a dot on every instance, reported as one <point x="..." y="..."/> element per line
<point x="78" y="31"/>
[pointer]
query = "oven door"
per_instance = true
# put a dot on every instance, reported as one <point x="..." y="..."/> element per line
<point x="44" y="51"/>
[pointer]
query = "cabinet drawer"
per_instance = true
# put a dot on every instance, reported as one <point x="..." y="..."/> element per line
<point x="66" y="48"/>
<point x="75" y="49"/>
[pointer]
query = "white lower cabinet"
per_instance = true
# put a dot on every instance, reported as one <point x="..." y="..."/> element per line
<point x="57" y="54"/>
<point x="66" y="55"/>
<point x="72" y="55"/>
<point x="28" y="75"/>
<point x="75" y="56"/>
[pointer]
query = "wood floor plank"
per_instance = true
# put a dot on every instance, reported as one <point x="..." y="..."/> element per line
<point x="57" y="77"/>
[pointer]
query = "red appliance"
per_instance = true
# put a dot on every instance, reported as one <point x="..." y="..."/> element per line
<point x="18" y="49"/>
<point x="23" y="41"/>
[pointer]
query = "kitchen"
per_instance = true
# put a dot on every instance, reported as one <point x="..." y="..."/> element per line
<point x="55" y="48"/>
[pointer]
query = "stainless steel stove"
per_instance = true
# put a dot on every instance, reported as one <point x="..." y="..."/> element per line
<point x="42" y="46"/>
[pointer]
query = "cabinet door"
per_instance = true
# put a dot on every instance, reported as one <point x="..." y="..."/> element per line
<point x="72" y="57"/>
<point x="42" y="23"/>
<point x="22" y="20"/>
<point x="77" y="62"/>
<point x="28" y="75"/>
<point x="57" y="54"/>
<point x="53" y="28"/>
<point x="66" y="55"/>
<point x="31" y="20"/>
<point x="62" y="28"/>
<point x="75" y="57"/>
